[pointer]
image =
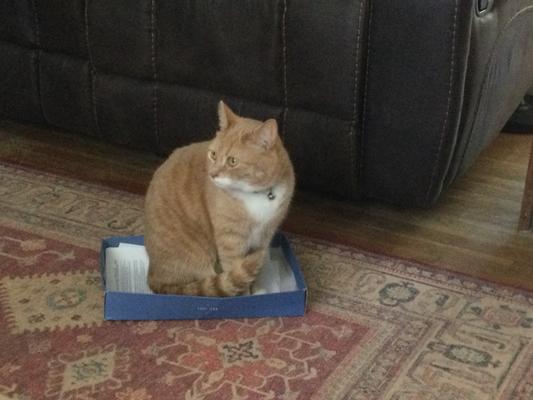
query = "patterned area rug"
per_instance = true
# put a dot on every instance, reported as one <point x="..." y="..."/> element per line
<point x="376" y="327"/>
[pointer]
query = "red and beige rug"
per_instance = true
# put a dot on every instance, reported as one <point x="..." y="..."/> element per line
<point x="376" y="328"/>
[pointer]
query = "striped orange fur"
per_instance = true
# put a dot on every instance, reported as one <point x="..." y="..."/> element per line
<point x="212" y="208"/>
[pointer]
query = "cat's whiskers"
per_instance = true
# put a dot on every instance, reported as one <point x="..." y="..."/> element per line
<point x="239" y="186"/>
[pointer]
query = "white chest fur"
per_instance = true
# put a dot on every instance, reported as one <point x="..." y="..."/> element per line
<point x="261" y="209"/>
<point x="259" y="206"/>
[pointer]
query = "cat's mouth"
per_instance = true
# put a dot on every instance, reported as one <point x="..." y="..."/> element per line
<point x="222" y="182"/>
<point x="234" y="185"/>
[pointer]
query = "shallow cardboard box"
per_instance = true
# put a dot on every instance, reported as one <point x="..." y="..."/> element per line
<point x="136" y="306"/>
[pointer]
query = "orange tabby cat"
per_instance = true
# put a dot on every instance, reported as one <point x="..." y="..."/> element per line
<point x="212" y="208"/>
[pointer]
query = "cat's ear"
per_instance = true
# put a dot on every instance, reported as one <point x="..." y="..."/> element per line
<point x="265" y="136"/>
<point x="226" y="117"/>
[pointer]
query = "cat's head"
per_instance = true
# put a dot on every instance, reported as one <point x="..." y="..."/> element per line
<point x="245" y="154"/>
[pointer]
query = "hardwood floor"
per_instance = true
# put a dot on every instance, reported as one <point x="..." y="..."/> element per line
<point x="473" y="228"/>
<point x="526" y="213"/>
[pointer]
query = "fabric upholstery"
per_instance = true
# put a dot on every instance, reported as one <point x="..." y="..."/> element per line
<point x="375" y="98"/>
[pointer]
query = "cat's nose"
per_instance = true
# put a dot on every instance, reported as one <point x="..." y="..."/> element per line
<point x="215" y="172"/>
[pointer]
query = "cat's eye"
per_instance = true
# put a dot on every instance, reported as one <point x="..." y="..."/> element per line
<point x="212" y="155"/>
<point x="232" y="161"/>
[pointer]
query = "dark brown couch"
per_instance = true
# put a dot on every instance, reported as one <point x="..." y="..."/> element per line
<point x="379" y="98"/>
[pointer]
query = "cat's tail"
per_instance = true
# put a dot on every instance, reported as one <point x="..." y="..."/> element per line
<point x="228" y="283"/>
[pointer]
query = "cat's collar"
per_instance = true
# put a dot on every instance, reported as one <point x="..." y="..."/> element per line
<point x="270" y="194"/>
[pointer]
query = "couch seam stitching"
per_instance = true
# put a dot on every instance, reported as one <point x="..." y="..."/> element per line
<point x="447" y="115"/>
<point x="284" y="78"/>
<point x="37" y="61"/>
<point x="155" y="92"/>
<point x="351" y="132"/>
<point x="92" y="71"/>
<point x="365" y="94"/>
